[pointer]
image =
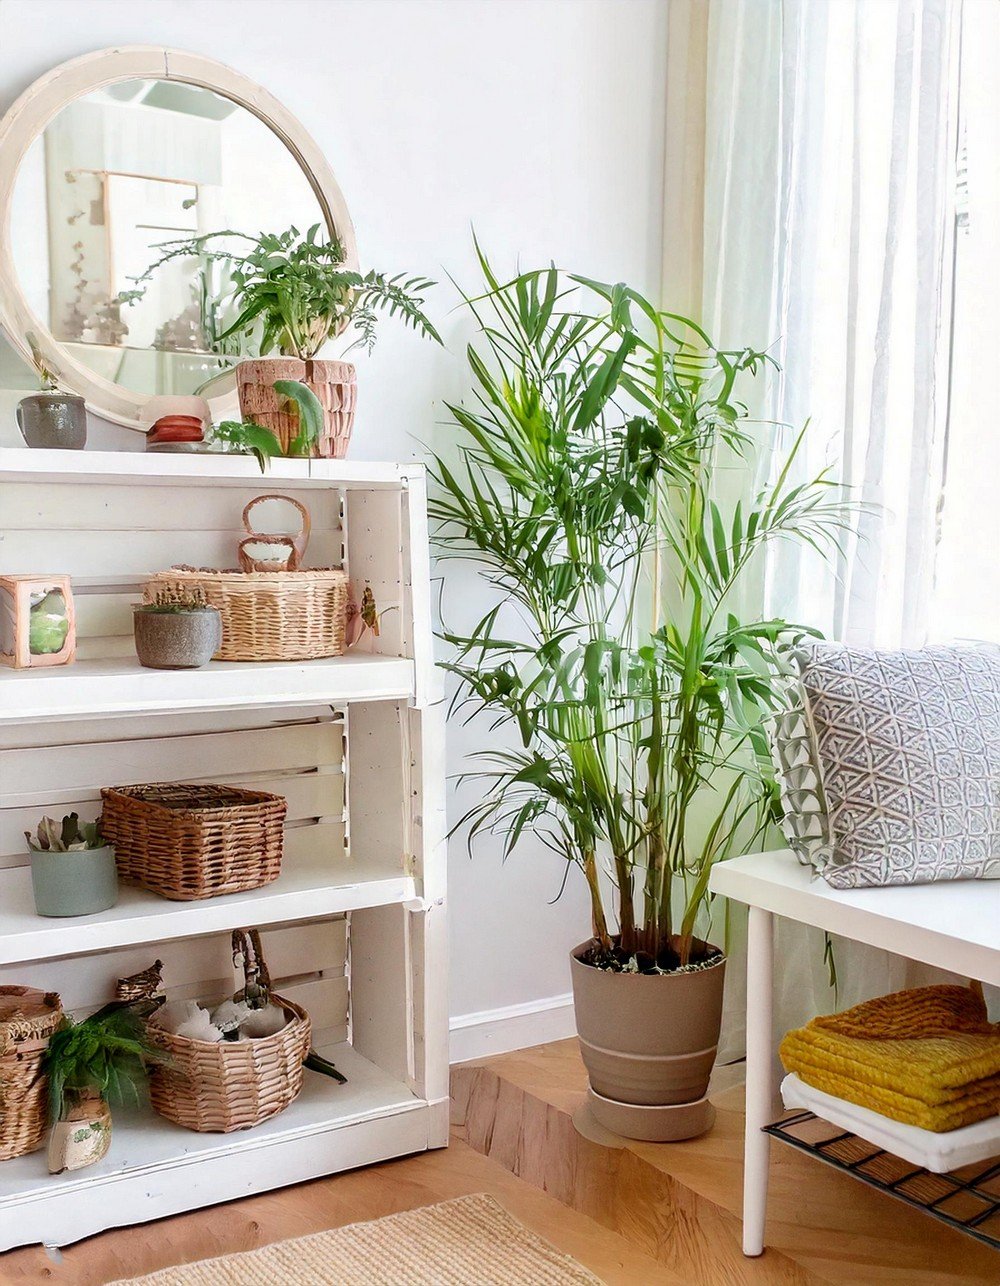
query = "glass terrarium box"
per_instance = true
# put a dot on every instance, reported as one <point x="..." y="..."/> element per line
<point x="37" y="621"/>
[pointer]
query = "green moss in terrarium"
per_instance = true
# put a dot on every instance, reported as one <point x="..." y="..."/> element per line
<point x="48" y="624"/>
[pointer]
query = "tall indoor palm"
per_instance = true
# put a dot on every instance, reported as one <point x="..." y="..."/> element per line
<point x="592" y="485"/>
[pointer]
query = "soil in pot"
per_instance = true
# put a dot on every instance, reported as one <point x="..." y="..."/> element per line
<point x="648" y="1041"/>
<point x="334" y="383"/>
<point x="167" y="639"/>
<point x="54" y="420"/>
<point x="80" y="882"/>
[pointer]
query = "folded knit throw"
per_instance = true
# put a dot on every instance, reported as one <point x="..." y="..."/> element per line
<point x="927" y="1057"/>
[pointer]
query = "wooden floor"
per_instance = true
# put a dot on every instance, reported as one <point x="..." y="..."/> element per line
<point x="638" y="1216"/>
<point x="680" y="1202"/>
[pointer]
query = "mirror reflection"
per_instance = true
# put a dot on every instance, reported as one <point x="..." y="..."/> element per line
<point x="116" y="175"/>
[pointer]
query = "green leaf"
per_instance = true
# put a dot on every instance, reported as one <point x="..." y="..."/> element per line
<point x="310" y="414"/>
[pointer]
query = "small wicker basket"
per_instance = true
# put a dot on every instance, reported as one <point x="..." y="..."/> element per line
<point x="188" y="842"/>
<point x="232" y="1085"/>
<point x="28" y="1018"/>
<point x="271" y="610"/>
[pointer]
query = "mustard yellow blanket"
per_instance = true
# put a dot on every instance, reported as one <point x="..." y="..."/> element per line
<point x="927" y="1057"/>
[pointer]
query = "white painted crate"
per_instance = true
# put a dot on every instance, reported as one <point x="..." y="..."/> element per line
<point x="354" y="927"/>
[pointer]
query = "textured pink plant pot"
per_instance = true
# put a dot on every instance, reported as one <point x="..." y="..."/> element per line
<point x="334" y="383"/>
<point x="648" y="1042"/>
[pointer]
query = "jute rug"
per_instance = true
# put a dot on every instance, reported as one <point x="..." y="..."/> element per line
<point x="471" y="1241"/>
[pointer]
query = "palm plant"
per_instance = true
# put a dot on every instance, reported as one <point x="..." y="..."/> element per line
<point x="586" y="486"/>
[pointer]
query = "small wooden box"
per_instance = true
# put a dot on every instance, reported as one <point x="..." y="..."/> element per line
<point x="37" y="621"/>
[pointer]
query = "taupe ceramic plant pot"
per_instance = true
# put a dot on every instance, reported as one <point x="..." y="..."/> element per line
<point x="648" y="1042"/>
<point x="177" y="640"/>
<point x="53" y="420"/>
<point x="334" y="383"/>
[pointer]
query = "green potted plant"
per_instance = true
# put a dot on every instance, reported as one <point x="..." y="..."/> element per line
<point x="174" y="633"/>
<point x="592" y="482"/>
<point x="51" y="418"/>
<point x="72" y="868"/>
<point x="291" y="293"/>
<point x="92" y="1066"/>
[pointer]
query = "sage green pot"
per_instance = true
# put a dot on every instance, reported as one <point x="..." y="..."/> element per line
<point x="78" y="883"/>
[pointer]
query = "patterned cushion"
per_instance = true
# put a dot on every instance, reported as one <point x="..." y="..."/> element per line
<point x="889" y="763"/>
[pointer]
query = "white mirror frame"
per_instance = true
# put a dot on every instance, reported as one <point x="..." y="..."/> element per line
<point x="27" y="119"/>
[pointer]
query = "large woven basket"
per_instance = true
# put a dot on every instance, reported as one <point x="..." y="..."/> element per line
<point x="27" y="1019"/>
<point x="271" y="609"/>
<point x="231" y="1085"/>
<point x="188" y="842"/>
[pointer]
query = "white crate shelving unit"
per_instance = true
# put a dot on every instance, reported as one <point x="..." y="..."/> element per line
<point x="354" y="928"/>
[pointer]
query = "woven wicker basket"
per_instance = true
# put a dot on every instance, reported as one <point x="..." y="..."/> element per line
<point x="188" y="842"/>
<point x="231" y="1085"/>
<point x="27" y="1019"/>
<point x="274" y="612"/>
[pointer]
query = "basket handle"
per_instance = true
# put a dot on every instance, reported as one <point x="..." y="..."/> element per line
<point x="249" y="563"/>
<point x="300" y="539"/>
<point x="257" y="981"/>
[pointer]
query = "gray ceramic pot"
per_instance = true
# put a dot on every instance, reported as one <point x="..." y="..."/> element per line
<point x="177" y="640"/>
<point x="649" y="1042"/>
<point x="53" y="420"/>
<point x="74" y="883"/>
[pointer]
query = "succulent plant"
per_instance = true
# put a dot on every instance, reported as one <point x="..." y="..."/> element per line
<point x="69" y="836"/>
<point x="48" y="624"/>
<point x="166" y="602"/>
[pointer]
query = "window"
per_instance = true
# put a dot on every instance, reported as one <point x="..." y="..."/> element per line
<point x="966" y="596"/>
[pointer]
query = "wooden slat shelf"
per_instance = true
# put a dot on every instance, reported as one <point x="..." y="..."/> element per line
<point x="91" y="688"/>
<point x="306" y="890"/>
<point x="140" y="468"/>
<point x="328" y="1127"/>
<point x="355" y="926"/>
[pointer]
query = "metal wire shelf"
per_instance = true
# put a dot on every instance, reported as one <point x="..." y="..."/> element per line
<point x="967" y="1199"/>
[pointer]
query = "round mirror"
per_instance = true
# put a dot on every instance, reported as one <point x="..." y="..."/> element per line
<point x="109" y="164"/>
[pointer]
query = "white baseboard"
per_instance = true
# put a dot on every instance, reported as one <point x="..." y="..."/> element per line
<point x="498" y="1031"/>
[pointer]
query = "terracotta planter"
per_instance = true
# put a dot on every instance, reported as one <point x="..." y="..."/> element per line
<point x="648" y="1042"/>
<point x="334" y="383"/>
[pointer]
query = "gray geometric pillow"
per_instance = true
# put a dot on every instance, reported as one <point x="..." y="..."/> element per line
<point x="889" y="763"/>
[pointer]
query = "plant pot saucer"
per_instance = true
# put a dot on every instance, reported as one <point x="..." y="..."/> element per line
<point x="602" y="1119"/>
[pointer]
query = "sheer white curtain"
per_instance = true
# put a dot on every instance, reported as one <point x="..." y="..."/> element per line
<point x="829" y="144"/>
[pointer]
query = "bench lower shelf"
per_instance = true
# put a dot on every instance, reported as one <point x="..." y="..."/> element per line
<point x="967" y="1199"/>
<point x="155" y="1168"/>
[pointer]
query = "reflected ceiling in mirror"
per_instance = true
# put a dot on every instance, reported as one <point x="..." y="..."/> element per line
<point x="115" y="175"/>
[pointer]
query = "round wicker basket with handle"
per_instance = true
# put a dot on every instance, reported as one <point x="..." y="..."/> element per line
<point x="232" y="1085"/>
<point x="28" y="1018"/>
<point x="271" y="609"/>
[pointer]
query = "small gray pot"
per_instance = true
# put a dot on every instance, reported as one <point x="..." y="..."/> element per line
<point x="77" y="883"/>
<point x="177" y="640"/>
<point x="53" y="420"/>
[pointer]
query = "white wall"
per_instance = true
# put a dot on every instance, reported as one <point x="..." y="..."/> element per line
<point x="539" y="121"/>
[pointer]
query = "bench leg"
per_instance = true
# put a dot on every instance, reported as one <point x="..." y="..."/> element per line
<point x="760" y="1076"/>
